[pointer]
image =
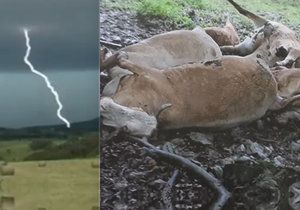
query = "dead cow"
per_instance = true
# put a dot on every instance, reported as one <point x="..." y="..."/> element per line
<point x="214" y="94"/>
<point x="163" y="51"/>
<point x="288" y="86"/>
<point x="224" y="36"/>
<point x="281" y="43"/>
<point x="288" y="81"/>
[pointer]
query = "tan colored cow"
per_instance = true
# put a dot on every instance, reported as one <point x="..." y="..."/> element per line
<point x="224" y="36"/>
<point x="163" y="51"/>
<point x="213" y="95"/>
<point x="288" y="86"/>
<point x="280" y="42"/>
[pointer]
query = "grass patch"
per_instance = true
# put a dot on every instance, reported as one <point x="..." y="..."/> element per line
<point x="174" y="10"/>
<point x="60" y="185"/>
<point x="14" y="150"/>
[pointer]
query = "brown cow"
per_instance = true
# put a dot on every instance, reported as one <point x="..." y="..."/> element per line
<point x="281" y="43"/>
<point x="166" y="50"/>
<point x="288" y="86"/>
<point x="213" y="94"/>
<point x="224" y="36"/>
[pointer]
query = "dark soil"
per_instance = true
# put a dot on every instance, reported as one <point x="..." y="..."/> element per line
<point x="243" y="157"/>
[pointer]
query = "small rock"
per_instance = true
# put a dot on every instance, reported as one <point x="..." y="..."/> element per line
<point x="294" y="190"/>
<point x="116" y="39"/>
<point x="279" y="161"/>
<point x="240" y="148"/>
<point x="244" y="158"/>
<point x="177" y="141"/>
<point x="204" y="139"/>
<point x="255" y="148"/>
<point x="121" y="185"/>
<point x="227" y="161"/>
<point x="159" y="181"/>
<point x="218" y="171"/>
<point x="295" y="146"/>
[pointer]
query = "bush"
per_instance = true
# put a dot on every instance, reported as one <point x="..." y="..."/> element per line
<point x="40" y="144"/>
<point x="175" y="10"/>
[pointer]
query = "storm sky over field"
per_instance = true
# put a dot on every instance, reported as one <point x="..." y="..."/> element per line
<point x="64" y="41"/>
<point x="63" y="33"/>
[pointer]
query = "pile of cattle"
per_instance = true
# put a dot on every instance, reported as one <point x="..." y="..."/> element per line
<point x="202" y="78"/>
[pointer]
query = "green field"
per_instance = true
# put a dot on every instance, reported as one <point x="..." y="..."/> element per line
<point x="60" y="185"/>
<point x="14" y="150"/>
<point x="50" y="148"/>
<point x="17" y="150"/>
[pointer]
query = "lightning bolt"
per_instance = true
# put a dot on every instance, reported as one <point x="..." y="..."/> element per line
<point x="33" y="70"/>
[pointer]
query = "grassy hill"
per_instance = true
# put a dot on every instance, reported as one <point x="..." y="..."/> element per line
<point x="50" y="131"/>
<point x="60" y="185"/>
<point x="73" y="146"/>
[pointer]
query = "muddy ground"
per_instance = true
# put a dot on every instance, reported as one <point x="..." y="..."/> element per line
<point x="259" y="163"/>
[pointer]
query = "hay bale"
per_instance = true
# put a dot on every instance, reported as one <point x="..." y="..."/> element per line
<point x="7" y="171"/>
<point x="95" y="164"/>
<point x="7" y="202"/>
<point x="95" y="208"/>
<point x="42" y="164"/>
<point x="3" y="163"/>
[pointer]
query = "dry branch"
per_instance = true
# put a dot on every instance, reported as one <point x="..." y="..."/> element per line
<point x="110" y="44"/>
<point x="209" y="179"/>
<point x="166" y="193"/>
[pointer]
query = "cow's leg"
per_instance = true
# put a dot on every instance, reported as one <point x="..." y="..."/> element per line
<point x="281" y="103"/>
<point x="121" y="59"/>
<point x="124" y="63"/>
<point x="248" y="46"/>
<point x="244" y="48"/>
<point x="290" y="59"/>
<point x="110" y="62"/>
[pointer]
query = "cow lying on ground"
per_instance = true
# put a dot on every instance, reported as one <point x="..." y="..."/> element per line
<point x="213" y="94"/>
<point x="288" y="86"/>
<point x="281" y="43"/>
<point x="163" y="51"/>
<point x="224" y="36"/>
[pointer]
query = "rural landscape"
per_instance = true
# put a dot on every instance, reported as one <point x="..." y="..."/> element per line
<point x="251" y="166"/>
<point x="50" y="167"/>
<point x="49" y="113"/>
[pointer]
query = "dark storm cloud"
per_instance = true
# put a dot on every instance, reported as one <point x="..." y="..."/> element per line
<point x="64" y="34"/>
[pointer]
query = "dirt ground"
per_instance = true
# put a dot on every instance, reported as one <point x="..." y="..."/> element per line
<point x="259" y="163"/>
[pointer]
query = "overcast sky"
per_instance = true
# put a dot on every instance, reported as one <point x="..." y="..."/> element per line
<point x="64" y="41"/>
<point x="64" y="33"/>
